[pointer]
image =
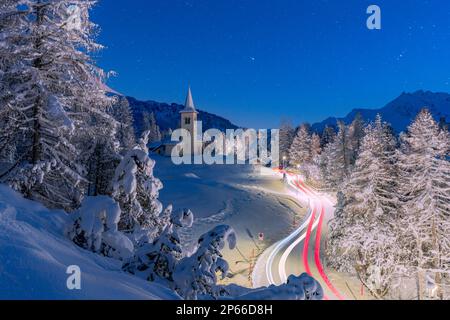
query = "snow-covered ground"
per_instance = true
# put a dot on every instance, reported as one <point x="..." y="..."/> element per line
<point x="237" y="195"/>
<point x="35" y="254"/>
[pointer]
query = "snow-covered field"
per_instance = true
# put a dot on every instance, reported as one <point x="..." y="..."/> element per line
<point x="237" y="195"/>
<point x="35" y="254"/>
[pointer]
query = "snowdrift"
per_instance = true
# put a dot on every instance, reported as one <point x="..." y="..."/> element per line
<point x="35" y="254"/>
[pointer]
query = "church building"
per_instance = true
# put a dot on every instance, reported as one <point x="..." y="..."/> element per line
<point x="188" y="121"/>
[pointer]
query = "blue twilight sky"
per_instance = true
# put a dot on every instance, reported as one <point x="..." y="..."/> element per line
<point x="258" y="61"/>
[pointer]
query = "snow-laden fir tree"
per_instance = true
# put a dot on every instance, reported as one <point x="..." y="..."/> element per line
<point x="425" y="188"/>
<point x="313" y="169"/>
<point x="101" y="144"/>
<point x="125" y="130"/>
<point x="324" y="159"/>
<point x="286" y="136"/>
<point x="156" y="261"/>
<point x="137" y="190"/>
<point x="316" y="147"/>
<point x="326" y="140"/>
<point x="48" y="86"/>
<point x="363" y="234"/>
<point x="151" y="125"/>
<point x="100" y="156"/>
<point x="94" y="227"/>
<point x="195" y="276"/>
<point x="300" y="150"/>
<point x="336" y="158"/>
<point x="328" y="136"/>
<point x="98" y="152"/>
<point x="355" y="136"/>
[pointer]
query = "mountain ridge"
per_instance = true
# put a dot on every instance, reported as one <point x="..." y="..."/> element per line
<point x="168" y="115"/>
<point x="400" y="112"/>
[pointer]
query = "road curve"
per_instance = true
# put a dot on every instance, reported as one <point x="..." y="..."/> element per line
<point x="300" y="251"/>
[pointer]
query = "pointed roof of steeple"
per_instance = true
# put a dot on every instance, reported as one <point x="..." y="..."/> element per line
<point x="189" y="104"/>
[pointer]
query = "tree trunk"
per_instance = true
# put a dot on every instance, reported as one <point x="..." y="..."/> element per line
<point x="439" y="290"/>
<point x="97" y="174"/>
<point x="437" y="260"/>
<point x="36" y="149"/>
<point x="419" y="284"/>
<point x="419" y="274"/>
<point x="36" y="146"/>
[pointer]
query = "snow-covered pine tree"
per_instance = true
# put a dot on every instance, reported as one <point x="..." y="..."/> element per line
<point x="335" y="159"/>
<point x="156" y="261"/>
<point x="313" y="169"/>
<point x="9" y="116"/>
<point x="286" y="136"/>
<point x="94" y="227"/>
<point x="99" y="152"/>
<point x="100" y="157"/>
<point x="48" y="86"/>
<point x="125" y="130"/>
<point x="425" y="188"/>
<point x="328" y="136"/>
<point x="101" y="144"/>
<point x="195" y="276"/>
<point x="355" y="135"/>
<point x="316" y="148"/>
<point x="137" y="190"/>
<point x="363" y="234"/>
<point x="151" y="125"/>
<point x="300" y="150"/>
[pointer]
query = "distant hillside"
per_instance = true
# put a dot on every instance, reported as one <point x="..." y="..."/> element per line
<point x="401" y="111"/>
<point x="168" y="116"/>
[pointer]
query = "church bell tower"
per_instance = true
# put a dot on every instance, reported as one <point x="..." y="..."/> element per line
<point x="189" y="123"/>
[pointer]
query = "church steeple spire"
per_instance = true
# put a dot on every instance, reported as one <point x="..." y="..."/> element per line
<point x="189" y="101"/>
<point x="189" y="104"/>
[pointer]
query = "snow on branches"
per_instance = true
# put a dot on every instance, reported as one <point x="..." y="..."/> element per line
<point x="392" y="221"/>
<point x="363" y="235"/>
<point x="137" y="190"/>
<point x="425" y="191"/>
<point x="94" y="228"/>
<point x="195" y="276"/>
<point x="156" y="261"/>
<point x="50" y="89"/>
<point x="300" y="150"/>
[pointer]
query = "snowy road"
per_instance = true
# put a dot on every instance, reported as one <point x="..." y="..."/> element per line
<point x="301" y="250"/>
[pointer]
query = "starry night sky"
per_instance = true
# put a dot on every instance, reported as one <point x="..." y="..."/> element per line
<point x="258" y="61"/>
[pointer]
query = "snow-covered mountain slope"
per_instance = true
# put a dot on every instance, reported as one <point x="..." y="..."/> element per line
<point x="401" y="111"/>
<point x="168" y="115"/>
<point x="34" y="256"/>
